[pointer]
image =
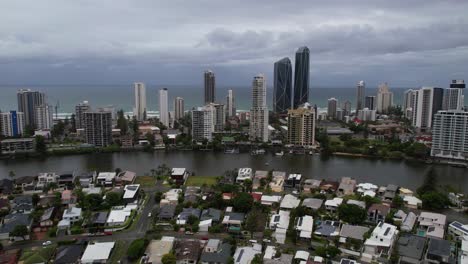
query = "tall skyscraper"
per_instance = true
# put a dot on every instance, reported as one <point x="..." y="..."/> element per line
<point x="409" y="103"/>
<point x="332" y="107"/>
<point x="80" y="109"/>
<point x="347" y="108"/>
<point x="453" y="96"/>
<point x="210" y="87"/>
<point x="361" y="92"/>
<point x="282" y="86"/>
<point x="43" y="116"/>
<point x="427" y="101"/>
<point x="301" y="77"/>
<point x="460" y="84"/>
<point x="230" y="104"/>
<point x="27" y="102"/>
<point x="384" y="99"/>
<point x="163" y="107"/>
<point x="202" y="124"/>
<point x="140" y="110"/>
<point x="259" y="112"/>
<point x="219" y="116"/>
<point x="179" y="108"/>
<point x="366" y="114"/>
<point x="11" y="124"/>
<point x="301" y="126"/>
<point x="449" y="135"/>
<point x="98" y="128"/>
<point x="370" y="102"/>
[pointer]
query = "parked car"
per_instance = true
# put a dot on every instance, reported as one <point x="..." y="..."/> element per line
<point x="47" y="243"/>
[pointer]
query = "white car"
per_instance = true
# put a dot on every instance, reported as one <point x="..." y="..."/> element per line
<point x="47" y="243"/>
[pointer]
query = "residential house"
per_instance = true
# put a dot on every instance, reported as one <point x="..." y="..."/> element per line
<point x="216" y="252"/>
<point x="311" y="185"/>
<point x="367" y="189"/>
<point x="186" y="213"/>
<point x="433" y="224"/>
<point x="412" y="202"/>
<point x="289" y="202"/>
<point x="406" y="220"/>
<point x="293" y="180"/>
<point x="131" y="193"/>
<point x="464" y="252"/>
<point x="312" y="203"/>
<point x="99" y="219"/>
<point x="187" y="251"/>
<point x="329" y="186"/>
<point x="245" y="255"/>
<point x="270" y="199"/>
<point x="390" y="192"/>
<point x="91" y="189"/>
<point x="233" y="220"/>
<point x="304" y="226"/>
<point x="346" y="187"/>
<point x="10" y="222"/>
<point x="126" y="177"/>
<point x="192" y="193"/>
<point x="171" y="197"/>
<point x="279" y="223"/>
<point x="260" y="176"/>
<point x="179" y="175"/>
<point x="204" y="226"/>
<point x="439" y="251"/>
<point x="106" y="178"/>
<point x="68" y="197"/>
<point x="244" y="174"/>
<point x="98" y="252"/>
<point x="277" y="182"/>
<point x="119" y="215"/>
<point x="26" y="183"/>
<point x="72" y="214"/>
<point x="86" y="178"/>
<point x="157" y="249"/>
<point x="411" y="249"/>
<point x="352" y="232"/>
<point x="328" y="229"/>
<point x="301" y="256"/>
<point x="166" y="211"/>
<point x="66" y="180"/>
<point x="377" y="212"/>
<point x="211" y="214"/>
<point x="47" y="218"/>
<point x="22" y="204"/>
<point x="46" y="178"/>
<point x="69" y="254"/>
<point x="380" y="243"/>
<point x="333" y="204"/>
<point x="458" y="230"/>
<point x="361" y="204"/>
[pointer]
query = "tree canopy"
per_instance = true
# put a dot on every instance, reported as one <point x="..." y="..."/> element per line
<point x="352" y="213"/>
<point x="242" y="202"/>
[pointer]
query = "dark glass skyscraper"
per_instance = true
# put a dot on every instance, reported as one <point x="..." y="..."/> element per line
<point x="301" y="77"/>
<point x="210" y="87"/>
<point x="282" y="86"/>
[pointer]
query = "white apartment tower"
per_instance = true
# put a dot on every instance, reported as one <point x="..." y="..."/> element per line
<point x="421" y="106"/>
<point x="44" y="114"/>
<point x="230" y="104"/>
<point x="219" y="115"/>
<point x="11" y="123"/>
<point x="453" y="99"/>
<point x="384" y="99"/>
<point x="259" y="112"/>
<point x="202" y="123"/>
<point x="80" y="109"/>
<point x="179" y="108"/>
<point x="140" y="111"/>
<point x="450" y="135"/>
<point x="361" y="93"/>
<point x="163" y="107"/>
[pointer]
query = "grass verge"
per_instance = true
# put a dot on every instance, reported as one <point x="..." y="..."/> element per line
<point x="200" y="180"/>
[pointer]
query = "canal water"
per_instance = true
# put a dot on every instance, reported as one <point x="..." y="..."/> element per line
<point x="403" y="173"/>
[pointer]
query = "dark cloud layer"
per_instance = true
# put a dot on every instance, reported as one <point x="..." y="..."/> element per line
<point x="406" y="43"/>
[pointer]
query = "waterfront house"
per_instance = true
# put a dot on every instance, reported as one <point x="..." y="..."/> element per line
<point x="186" y="213"/>
<point x="329" y="186"/>
<point x="390" y="192"/>
<point x="367" y="189"/>
<point x="72" y="214"/>
<point x="9" y="223"/>
<point x="279" y="223"/>
<point x="26" y="183"/>
<point x="312" y="203"/>
<point x="66" y="180"/>
<point x="412" y="202"/>
<point x="458" y="230"/>
<point x="411" y="249"/>
<point x="328" y="229"/>
<point x="244" y="174"/>
<point x="22" y="204"/>
<point x="245" y="255"/>
<point x="216" y="252"/>
<point x="293" y="180"/>
<point x="106" y="178"/>
<point x="179" y="175"/>
<point x="346" y="187"/>
<point x="377" y="212"/>
<point x="69" y="254"/>
<point x="126" y="177"/>
<point x="332" y="205"/>
<point x="259" y="176"/>
<point x="166" y="211"/>
<point x="86" y="178"/>
<point x="47" y="218"/>
<point x="187" y="251"/>
<point x="17" y="145"/>
<point x="432" y="224"/>
<point x="380" y="243"/>
<point x="46" y="178"/>
<point x="270" y="199"/>
<point x="98" y="252"/>
<point x="289" y="202"/>
<point x="157" y="249"/>
<point x="6" y="186"/>
<point x="439" y="251"/>
<point x="277" y="182"/>
<point x="311" y="185"/>
<point x="131" y="193"/>
<point x="352" y="232"/>
<point x="304" y="226"/>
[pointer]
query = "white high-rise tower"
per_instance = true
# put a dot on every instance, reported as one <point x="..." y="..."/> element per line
<point x="140" y="101"/>
<point x="259" y="111"/>
<point x="163" y="107"/>
<point x="230" y="104"/>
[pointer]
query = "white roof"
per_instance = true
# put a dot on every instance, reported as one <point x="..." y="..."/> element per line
<point x="178" y="171"/>
<point x="158" y="248"/>
<point x="305" y="223"/>
<point x="131" y="190"/>
<point x="318" y="259"/>
<point x="411" y="200"/>
<point x="361" y="204"/>
<point x="208" y="222"/>
<point x="362" y="187"/>
<point x="369" y="193"/>
<point x="92" y="190"/>
<point x="428" y="218"/>
<point x="290" y="201"/>
<point x="280" y="220"/>
<point x="118" y="216"/>
<point x="271" y="198"/>
<point x="245" y="255"/>
<point x="97" y="251"/>
<point x="383" y="235"/>
<point x="107" y="176"/>
<point x="301" y="254"/>
<point x="335" y="202"/>
<point x="244" y="173"/>
<point x="295" y="176"/>
<point x="71" y="212"/>
<point x="270" y="252"/>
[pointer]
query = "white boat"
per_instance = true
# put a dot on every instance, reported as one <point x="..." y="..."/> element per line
<point x="279" y="153"/>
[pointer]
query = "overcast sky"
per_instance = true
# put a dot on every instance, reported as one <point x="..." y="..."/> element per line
<point x="407" y="43"/>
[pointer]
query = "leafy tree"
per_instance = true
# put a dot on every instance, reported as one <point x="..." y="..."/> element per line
<point x="257" y="259"/>
<point x="435" y="201"/>
<point x="192" y="220"/>
<point x="430" y="183"/>
<point x="58" y="129"/>
<point x="242" y="202"/>
<point x="398" y="202"/>
<point x="20" y="231"/>
<point x="248" y="185"/>
<point x="352" y="213"/>
<point x="168" y="258"/>
<point x="93" y="201"/>
<point x="158" y="197"/>
<point x="122" y="122"/>
<point x="113" y="198"/>
<point x="252" y="223"/>
<point x="150" y="138"/>
<point x="41" y="146"/>
<point x="137" y="249"/>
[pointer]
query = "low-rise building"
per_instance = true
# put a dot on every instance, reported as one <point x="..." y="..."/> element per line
<point x="412" y="202"/>
<point x="211" y="214"/>
<point x="377" y="212"/>
<point x="126" y="177"/>
<point x="10" y="222"/>
<point x="186" y="214"/>
<point x="166" y="211"/>
<point x="171" y="197"/>
<point x="106" y="178"/>
<point x="352" y="232"/>
<point x="270" y="199"/>
<point x="411" y="249"/>
<point x="244" y="174"/>
<point x="312" y="203"/>
<point x="311" y="185"/>
<point x="17" y="145"/>
<point x="458" y="230"/>
<point x="328" y="229"/>
<point x="179" y="175"/>
<point x="346" y="187"/>
<point x="216" y="252"/>
<point x="333" y="204"/>
<point x="157" y="249"/>
<point x="131" y="193"/>
<point x="280" y="222"/>
<point x="44" y="179"/>
<point x="98" y="252"/>
<point x="294" y="180"/>
<point x="380" y="243"/>
<point x="47" y="218"/>
<point x="119" y="215"/>
<point x="439" y="251"/>
<point x="277" y="182"/>
<point x="72" y="214"/>
<point x="289" y="202"/>
<point x="390" y="192"/>
<point x="69" y="254"/>
<point x="433" y="224"/>
<point x="361" y="204"/>
<point x="187" y="251"/>
<point x="245" y="255"/>
<point x="304" y="226"/>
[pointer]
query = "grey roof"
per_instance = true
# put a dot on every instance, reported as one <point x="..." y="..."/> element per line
<point x="220" y="256"/>
<point x="167" y="211"/>
<point x="13" y="220"/>
<point x="23" y="199"/>
<point x="392" y="188"/>
<point x="187" y="249"/>
<point x="411" y="246"/>
<point x="236" y="216"/>
<point x="47" y="215"/>
<point x="351" y="231"/>
<point x="69" y="254"/>
<point x="327" y="228"/>
<point x="186" y="212"/>
<point x="408" y="223"/>
<point x="100" y="217"/>
<point x="439" y="247"/>
<point x="25" y="180"/>
<point x="283" y="259"/>
<point x="211" y="213"/>
<point x="313" y="203"/>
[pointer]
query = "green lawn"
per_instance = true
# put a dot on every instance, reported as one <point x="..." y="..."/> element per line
<point x="119" y="251"/>
<point x="37" y="255"/>
<point x="145" y="181"/>
<point x="200" y="180"/>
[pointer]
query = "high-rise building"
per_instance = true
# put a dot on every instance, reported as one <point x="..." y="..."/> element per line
<point x="370" y="102"/>
<point x="11" y="124"/>
<point x="230" y="104"/>
<point x="409" y="103"/>
<point x="361" y="92"/>
<point x="282" y="86"/>
<point x="163" y="107"/>
<point x="449" y="135"/>
<point x="460" y="84"/>
<point x="210" y="87"/>
<point x="219" y="116"/>
<point x="301" y="77"/>
<point x="366" y="114"/>
<point x="202" y="124"/>
<point x="259" y="112"/>
<point x="80" y="109"/>
<point x="27" y="102"/>
<point x="384" y="99"/>
<point x="453" y="99"/>
<point x="44" y="114"/>
<point x="140" y="110"/>
<point x="98" y="128"/>
<point x="301" y="126"/>
<point x="332" y="106"/>
<point x="179" y="108"/>
<point x="347" y="108"/>
<point x="427" y="101"/>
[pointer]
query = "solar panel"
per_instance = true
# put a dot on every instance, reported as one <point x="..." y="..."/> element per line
<point x="240" y="255"/>
<point x="387" y="231"/>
